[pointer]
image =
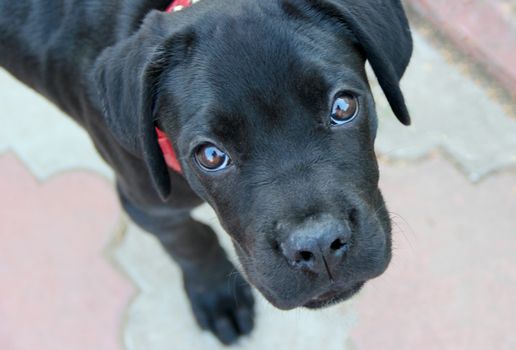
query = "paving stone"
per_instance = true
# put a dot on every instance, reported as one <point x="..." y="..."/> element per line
<point x="452" y="281"/>
<point x="160" y="317"/>
<point x="451" y="113"/>
<point x="57" y="289"/>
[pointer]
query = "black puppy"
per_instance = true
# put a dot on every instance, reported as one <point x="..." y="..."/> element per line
<point x="272" y="119"/>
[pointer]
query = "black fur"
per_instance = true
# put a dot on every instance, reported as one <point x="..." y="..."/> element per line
<point x="258" y="79"/>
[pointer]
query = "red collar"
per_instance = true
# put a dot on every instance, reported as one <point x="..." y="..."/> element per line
<point x="164" y="142"/>
<point x="178" y="5"/>
<point x="168" y="151"/>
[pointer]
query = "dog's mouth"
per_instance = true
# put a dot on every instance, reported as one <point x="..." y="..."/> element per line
<point x="333" y="297"/>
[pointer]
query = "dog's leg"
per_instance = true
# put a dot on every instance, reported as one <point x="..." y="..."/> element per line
<point x="221" y="299"/>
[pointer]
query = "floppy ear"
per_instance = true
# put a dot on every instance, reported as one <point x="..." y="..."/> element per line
<point x="382" y="31"/>
<point x="127" y="79"/>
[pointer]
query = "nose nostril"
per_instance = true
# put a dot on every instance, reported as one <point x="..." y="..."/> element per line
<point x="306" y="256"/>
<point x="275" y="245"/>
<point x="337" y="244"/>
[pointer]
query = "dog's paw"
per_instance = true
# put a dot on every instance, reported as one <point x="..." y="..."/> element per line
<point x="222" y="303"/>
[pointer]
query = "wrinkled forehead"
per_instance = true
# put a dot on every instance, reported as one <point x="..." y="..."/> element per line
<point x="258" y="77"/>
<point x="257" y="58"/>
<point x="250" y="72"/>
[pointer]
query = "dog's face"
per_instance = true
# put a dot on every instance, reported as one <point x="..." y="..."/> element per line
<point x="274" y="124"/>
<point x="279" y="140"/>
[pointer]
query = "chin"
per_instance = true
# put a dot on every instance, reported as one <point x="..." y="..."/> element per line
<point x="333" y="297"/>
<point x="319" y="301"/>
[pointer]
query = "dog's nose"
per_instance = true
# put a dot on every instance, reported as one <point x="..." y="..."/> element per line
<point x="317" y="246"/>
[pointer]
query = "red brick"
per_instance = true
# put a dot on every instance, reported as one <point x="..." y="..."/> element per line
<point x="57" y="289"/>
<point x="452" y="281"/>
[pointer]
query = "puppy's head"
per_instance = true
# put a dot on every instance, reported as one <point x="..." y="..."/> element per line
<point x="274" y="124"/>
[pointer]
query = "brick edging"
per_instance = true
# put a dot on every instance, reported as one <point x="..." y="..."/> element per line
<point x="485" y="30"/>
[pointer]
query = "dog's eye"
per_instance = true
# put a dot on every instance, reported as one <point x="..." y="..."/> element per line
<point x="211" y="158"/>
<point x="344" y="110"/>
